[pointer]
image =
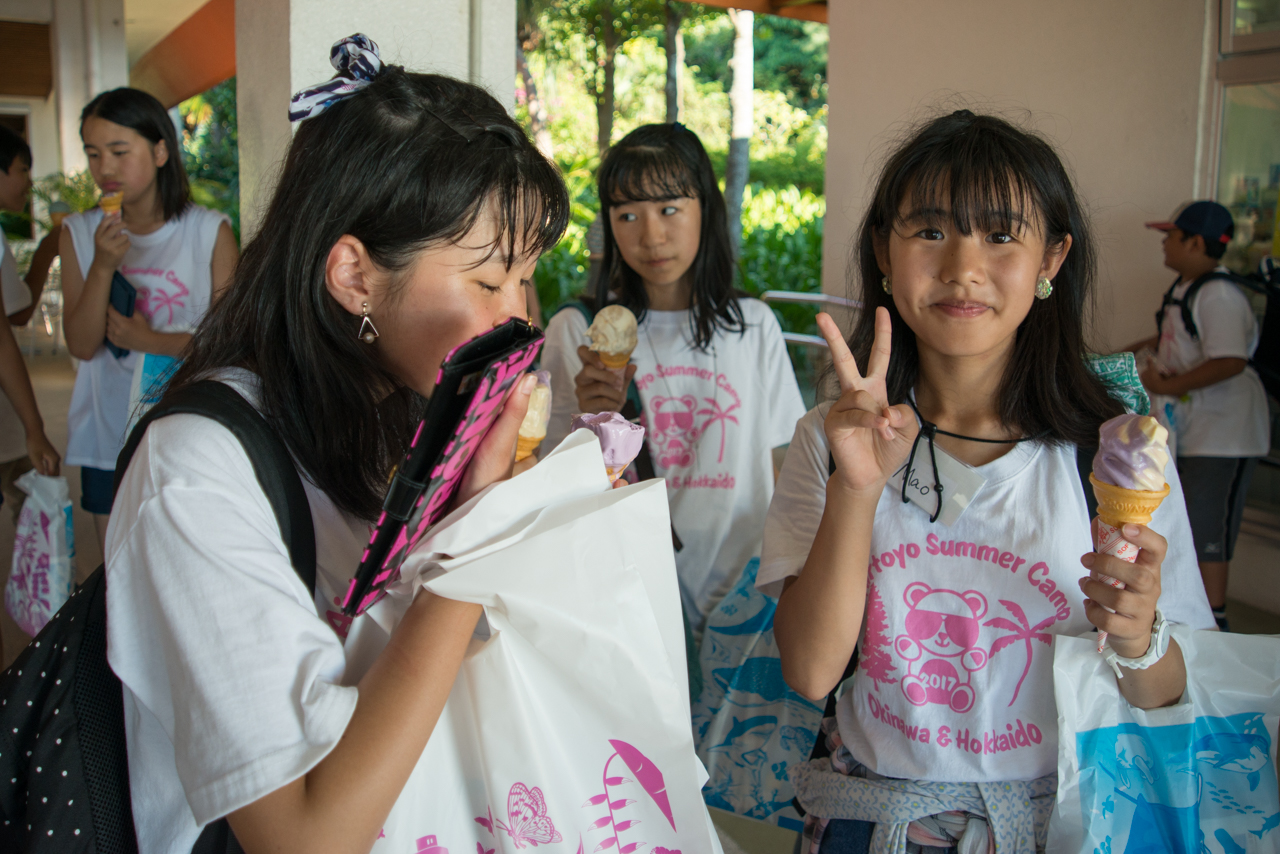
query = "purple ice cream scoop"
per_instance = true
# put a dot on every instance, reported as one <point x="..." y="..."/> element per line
<point x="620" y="440"/>
<point x="1132" y="453"/>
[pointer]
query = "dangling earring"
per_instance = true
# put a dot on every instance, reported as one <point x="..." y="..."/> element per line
<point x="1044" y="287"/>
<point x="368" y="332"/>
<point x="887" y="285"/>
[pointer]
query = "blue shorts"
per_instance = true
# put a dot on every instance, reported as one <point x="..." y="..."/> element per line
<point x="96" y="486"/>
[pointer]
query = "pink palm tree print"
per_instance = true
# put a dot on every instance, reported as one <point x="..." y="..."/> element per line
<point x="718" y="415"/>
<point x="1022" y="631"/>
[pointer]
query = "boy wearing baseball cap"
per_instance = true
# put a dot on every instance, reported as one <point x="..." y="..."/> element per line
<point x="1206" y="333"/>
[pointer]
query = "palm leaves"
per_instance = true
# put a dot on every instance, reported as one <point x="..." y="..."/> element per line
<point x="1022" y="631"/>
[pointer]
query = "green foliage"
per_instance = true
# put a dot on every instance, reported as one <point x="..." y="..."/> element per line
<point x="210" y="150"/>
<point x="790" y="56"/>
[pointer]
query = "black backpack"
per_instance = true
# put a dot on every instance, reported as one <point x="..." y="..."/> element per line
<point x="64" y="773"/>
<point x="1266" y="358"/>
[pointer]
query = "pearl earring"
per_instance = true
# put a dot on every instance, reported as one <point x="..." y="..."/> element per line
<point x="368" y="332"/>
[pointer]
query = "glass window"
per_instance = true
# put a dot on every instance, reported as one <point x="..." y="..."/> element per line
<point x="1249" y="169"/>
<point x="1256" y="16"/>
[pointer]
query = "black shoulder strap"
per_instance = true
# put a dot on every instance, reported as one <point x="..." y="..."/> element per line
<point x="1084" y="465"/>
<point x="1184" y="304"/>
<point x="271" y="460"/>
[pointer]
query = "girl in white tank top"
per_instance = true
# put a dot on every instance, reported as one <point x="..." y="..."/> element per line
<point x="177" y="255"/>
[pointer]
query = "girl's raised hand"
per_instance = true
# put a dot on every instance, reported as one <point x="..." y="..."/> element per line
<point x="869" y="439"/>
<point x="596" y="387"/>
<point x="110" y="242"/>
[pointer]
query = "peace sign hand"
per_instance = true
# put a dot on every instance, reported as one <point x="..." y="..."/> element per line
<point x="869" y="439"/>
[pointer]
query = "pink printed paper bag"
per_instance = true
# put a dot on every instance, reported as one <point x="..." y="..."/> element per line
<point x="568" y="727"/>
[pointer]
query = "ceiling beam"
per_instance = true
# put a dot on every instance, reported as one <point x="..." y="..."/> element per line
<point x="804" y="10"/>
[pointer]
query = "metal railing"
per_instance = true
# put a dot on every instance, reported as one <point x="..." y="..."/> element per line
<point x="799" y="298"/>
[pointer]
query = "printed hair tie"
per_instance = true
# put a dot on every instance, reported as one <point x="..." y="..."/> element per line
<point x="358" y="63"/>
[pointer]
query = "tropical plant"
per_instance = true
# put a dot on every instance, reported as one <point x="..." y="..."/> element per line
<point x="211" y="149"/>
<point x="1022" y="631"/>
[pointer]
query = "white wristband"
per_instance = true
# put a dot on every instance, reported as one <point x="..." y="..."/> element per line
<point x="1159" y="646"/>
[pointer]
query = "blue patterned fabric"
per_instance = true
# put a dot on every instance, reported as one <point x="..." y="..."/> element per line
<point x="748" y="726"/>
<point x="1119" y="372"/>
<point x="357" y="61"/>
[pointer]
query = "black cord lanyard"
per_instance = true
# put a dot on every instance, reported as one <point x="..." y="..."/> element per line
<point x="929" y="430"/>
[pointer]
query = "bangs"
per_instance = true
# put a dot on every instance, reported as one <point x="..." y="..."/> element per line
<point x="648" y="173"/>
<point x="969" y="182"/>
<point x="524" y="195"/>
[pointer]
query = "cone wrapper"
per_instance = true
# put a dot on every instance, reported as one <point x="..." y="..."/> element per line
<point x="1118" y="507"/>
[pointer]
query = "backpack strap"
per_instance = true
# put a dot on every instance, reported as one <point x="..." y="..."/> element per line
<point x="272" y="462"/>
<point x="1250" y="283"/>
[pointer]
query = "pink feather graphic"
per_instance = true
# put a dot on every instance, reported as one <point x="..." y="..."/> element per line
<point x="647" y="775"/>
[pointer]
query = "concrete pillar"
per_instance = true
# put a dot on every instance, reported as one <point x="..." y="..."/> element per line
<point x="89" y="57"/>
<point x="283" y="46"/>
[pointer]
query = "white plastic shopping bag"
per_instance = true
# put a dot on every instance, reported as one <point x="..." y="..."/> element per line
<point x="42" y="576"/>
<point x="749" y="725"/>
<point x="568" y="726"/>
<point x="1198" y="777"/>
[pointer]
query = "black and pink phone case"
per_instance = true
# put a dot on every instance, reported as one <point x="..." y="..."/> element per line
<point x="469" y="394"/>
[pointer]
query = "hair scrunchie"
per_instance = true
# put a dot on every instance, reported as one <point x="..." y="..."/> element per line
<point x="357" y="61"/>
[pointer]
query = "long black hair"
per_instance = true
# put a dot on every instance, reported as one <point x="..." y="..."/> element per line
<point x="135" y="109"/>
<point x="408" y="163"/>
<point x="655" y="163"/>
<point x="987" y="172"/>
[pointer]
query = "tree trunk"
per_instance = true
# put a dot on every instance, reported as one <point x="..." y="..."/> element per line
<point x="604" y="88"/>
<point x="675" y="61"/>
<point x="741" y="108"/>
<point x="537" y="107"/>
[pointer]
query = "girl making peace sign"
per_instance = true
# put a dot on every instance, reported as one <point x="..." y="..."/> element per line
<point x="976" y="265"/>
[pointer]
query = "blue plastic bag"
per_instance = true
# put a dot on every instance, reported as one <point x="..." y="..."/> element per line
<point x="748" y="726"/>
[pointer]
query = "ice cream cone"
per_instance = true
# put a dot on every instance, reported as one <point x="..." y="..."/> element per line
<point x="617" y="365"/>
<point x="1118" y="506"/>
<point x="111" y="202"/>
<point x="614" y="361"/>
<point x="615" y="472"/>
<point x="526" y="445"/>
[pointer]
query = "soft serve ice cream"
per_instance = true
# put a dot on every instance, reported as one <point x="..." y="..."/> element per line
<point x="533" y="429"/>
<point x="1128" y="481"/>
<point x="613" y="336"/>
<point x="620" y="439"/>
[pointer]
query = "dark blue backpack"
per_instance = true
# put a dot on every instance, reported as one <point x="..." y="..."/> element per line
<point x="64" y="771"/>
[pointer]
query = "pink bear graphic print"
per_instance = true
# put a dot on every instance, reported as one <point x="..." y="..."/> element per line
<point x="940" y="645"/>
<point x="673" y="431"/>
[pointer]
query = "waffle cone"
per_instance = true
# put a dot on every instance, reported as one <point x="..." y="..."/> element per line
<point x="111" y="202"/>
<point x="526" y="445"/>
<point x="614" y="361"/>
<point x="615" y="472"/>
<point x="1119" y="506"/>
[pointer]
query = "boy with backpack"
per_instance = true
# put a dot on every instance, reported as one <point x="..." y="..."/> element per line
<point x="1206" y="333"/>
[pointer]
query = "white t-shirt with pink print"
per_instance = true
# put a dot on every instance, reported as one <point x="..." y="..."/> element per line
<point x="955" y="670"/>
<point x="712" y="419"/>
<point x="170" y="268"/>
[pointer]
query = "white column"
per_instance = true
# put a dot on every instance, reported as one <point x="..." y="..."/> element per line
<point x="89" y="57"/>
<point x="283" y="46"/>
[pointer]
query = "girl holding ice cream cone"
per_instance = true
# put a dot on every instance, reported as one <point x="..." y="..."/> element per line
<point x="934" y="514"/>
<point x="176" y="255"/>
<point x="707" y="366"/>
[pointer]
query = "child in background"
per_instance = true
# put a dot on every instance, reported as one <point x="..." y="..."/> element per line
<point x="712" y="370"/>
<point x="178" y="255"/>
<point x="408" y="218"/>
<point x="975" y="264"/>
<point x="1205" y="336"/>
<point x="23" y="443"/>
